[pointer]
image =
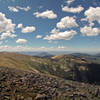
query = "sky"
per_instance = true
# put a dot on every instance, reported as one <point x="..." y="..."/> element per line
<point x="50" y="25"/>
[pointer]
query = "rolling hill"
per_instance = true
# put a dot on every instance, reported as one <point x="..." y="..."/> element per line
<point x="63" y="66"/>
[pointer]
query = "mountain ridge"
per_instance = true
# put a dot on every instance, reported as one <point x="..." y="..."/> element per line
<point x="63" y="66"/>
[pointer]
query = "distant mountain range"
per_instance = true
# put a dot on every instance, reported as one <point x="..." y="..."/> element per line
<point x="94" y="58"/>
<point x="44" y="54"/>
<point x="85" y="54"/>
<point x="40" y="53"/>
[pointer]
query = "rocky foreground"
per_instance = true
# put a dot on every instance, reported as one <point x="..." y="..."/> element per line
<point x="23" y="85"/>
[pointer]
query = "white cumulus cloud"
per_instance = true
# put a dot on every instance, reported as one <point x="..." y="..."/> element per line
<point x="62" y="47"/>
<point x="70" y="1"/>
<point x="20" y="25"/>
<point x="46" y="14"/>
<point x="25" y="48"/>
<point x="21" y="41"/>
<point x="13" y="9"/>
<point x="17" y="8"/>
<point x="66" y="35"/>
<point x="28" y="29"/>
<point x="7" y="34"/>
<point x="6" y="24"/>
<point x="54" y="31"/>
<point x="92" y="14"/>
<point x="67" y="22"/>
<point x="89" y="31"/>
<point x="39" y="36"/>
<point x="72" y="9"/>
<point x="23" y="8"/>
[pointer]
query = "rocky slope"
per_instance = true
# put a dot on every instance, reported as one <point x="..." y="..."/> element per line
<point x="23" y="85"/>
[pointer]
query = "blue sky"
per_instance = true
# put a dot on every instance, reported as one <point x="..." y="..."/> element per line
<point x="50" y="25"/>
